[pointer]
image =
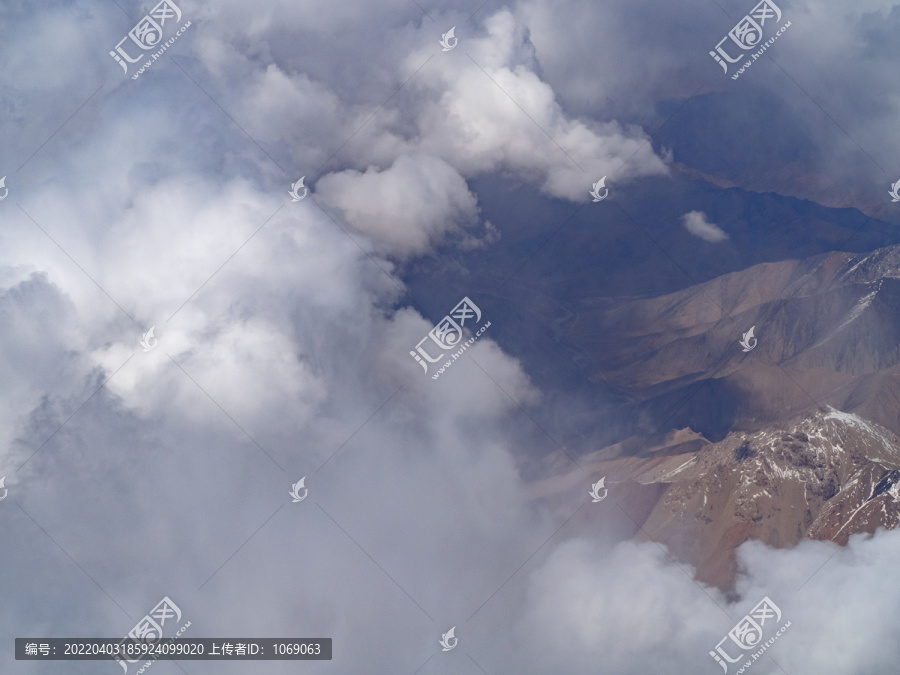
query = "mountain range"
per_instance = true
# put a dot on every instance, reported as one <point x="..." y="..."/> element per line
<point x="631" y="328"/>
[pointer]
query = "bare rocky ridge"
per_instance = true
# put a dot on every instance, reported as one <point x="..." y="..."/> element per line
<point x="825" y="475"/>
<point x="827" y="326"/>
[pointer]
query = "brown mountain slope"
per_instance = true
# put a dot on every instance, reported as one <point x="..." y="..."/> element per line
<point x="830" y="323"/>
<point x="824" y="475"/>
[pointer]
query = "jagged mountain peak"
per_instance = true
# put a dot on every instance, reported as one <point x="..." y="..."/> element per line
<point x="825" y="475"/>
<point x="867" y="267"/>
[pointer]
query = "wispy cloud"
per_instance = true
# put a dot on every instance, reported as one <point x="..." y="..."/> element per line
<point x="696" y="223"/>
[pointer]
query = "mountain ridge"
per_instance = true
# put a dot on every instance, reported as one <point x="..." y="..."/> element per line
<point x="825" y="475"/>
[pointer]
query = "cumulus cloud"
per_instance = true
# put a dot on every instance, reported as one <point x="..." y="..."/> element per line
<point x="494" y="113"/>
<point x="408" y="206"/>
<point x="696" y="223"/>
<point x="487" y="113"/>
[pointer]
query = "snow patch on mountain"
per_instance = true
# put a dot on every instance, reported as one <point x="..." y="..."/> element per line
<point x="825" y="475"/>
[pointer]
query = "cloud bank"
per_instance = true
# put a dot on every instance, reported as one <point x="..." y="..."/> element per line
<point x="284" y="351"/>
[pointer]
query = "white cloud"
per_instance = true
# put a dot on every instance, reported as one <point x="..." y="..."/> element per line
<point x="629" y="609"/>
<point x="407" y="207"/>
<point x="696" y="223"/>
<point x="492" y="113"/>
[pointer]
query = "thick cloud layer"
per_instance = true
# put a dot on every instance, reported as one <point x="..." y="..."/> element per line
<point x="284" y="338"/>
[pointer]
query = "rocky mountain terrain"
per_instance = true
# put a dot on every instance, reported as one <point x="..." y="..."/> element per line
<point x="614" y="326"/>
<point x="703" y="444"/>
<point x="729" y="445"/>
<point x="827" y="326"/>
<point x="825" y="475"/>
